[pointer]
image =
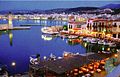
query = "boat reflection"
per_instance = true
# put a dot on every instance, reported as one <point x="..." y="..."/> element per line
<point x="10" y="34"/>
<point x="74" y="41"/>
<point x="47" y="37"/>
<point x="11" y="38"/>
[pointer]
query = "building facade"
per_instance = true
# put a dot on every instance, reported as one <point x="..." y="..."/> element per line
<point x="104" y="26"/>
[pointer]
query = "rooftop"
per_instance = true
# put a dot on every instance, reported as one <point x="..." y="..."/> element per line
<point x="60" y="66"/>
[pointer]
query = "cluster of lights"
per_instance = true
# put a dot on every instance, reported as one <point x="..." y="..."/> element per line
<point x="65" y="55"/>
<point x="108" y="49"/>
<point x="116" y="55"/>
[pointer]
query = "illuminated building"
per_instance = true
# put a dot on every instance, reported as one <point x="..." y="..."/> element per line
<point x="104" y="26"/>
<point x="74" y="27"/>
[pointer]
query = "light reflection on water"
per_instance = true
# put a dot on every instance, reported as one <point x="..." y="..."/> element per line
<point x="18" y="45"/>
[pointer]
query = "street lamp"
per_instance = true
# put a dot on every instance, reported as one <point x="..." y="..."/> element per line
<point x="13" y="64"/>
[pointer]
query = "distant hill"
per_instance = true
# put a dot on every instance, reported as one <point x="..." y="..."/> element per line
<point x="76" y="10"/>
<point x="69" y="10"/>
<point x="112" y="6"/>
<point x="81" y="9"/>
<point x="57" y="10"/>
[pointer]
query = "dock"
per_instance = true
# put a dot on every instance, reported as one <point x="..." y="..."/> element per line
<point x="7" y="27"/>
<point x="21" y="28"/>
<point x="15" y="28"/>
<point x="59" y="67"/>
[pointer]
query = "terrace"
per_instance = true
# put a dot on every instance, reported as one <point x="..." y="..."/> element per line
<point x="59" y="67"/>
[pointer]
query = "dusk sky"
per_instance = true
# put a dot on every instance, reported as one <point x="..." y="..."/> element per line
<point x="43" y="5"/>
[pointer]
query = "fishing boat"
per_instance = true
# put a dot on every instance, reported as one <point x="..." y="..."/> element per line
<point x="48" y="30"/>
<point x="93" y="40"/>
<point x="72" y="36"/>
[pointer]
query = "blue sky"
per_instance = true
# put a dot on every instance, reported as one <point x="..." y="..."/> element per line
<point x="48" y="4"/>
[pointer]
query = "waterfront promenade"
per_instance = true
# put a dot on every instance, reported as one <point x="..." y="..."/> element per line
<point x="6" y="27"/>
<point x="59" y="67"/>
<point x="89" y="35"/>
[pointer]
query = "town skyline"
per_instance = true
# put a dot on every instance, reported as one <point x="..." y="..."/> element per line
<point x="46" y="5"/>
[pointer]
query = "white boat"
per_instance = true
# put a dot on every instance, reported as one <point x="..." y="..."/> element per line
<point x="52" y="57"/>
<point x="65" y="54"/>
<point x="106" y="43"/>
<point x="45" y="29"/>
<point x="112" y="44"/>
<point x="101" y="42"/>
<point x="86" y="39"/>
<point x="72" y="36"/>
<point x="48" y="30"/>
<point x="106" y="52"/>
<point x="93" y="40"/>
<point x="33" y="59"/>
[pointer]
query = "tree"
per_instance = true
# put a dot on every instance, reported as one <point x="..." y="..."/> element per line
<point x="65" y="27"/>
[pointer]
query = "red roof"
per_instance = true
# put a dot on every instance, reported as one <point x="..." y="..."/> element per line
<point x="95" y="20"/>
<point x="76" y="28"/>
<point x="74" y="22"/>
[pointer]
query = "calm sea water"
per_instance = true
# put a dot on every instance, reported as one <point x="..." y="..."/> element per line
<point x="18" y="45"/>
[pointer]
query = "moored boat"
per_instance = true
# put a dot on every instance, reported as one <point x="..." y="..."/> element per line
<point x="48" y="30"/>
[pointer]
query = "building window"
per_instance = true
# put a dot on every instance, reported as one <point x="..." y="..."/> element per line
<point x="115" y="25"/>
<point x="88" y="24"/>
<point x="114" y="35"/>
<point x="70" y="26"/>
<point x="119" y="35"/>
<point x="78" y="26"/>
<point x="99" y="24"/>
<point x="102" y="23"/>
<point x="94" y="23"/>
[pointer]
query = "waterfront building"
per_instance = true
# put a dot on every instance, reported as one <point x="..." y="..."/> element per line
<point x="104" y="26"/>
<point x="74" y="26"/>
<point x="116" y="29"/>
<point x="71" y="18"/>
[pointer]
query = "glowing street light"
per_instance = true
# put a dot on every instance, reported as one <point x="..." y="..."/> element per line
<point x="115" y="55"/>
<point x="108" y="49"/>
<point x="45" y="57"/>
<point x="103" y="48"/>
<point x="65" y="55"/>
<point x="13" y="64"/>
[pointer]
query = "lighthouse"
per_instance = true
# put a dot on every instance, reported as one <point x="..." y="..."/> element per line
<point x="10" y="25"/>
